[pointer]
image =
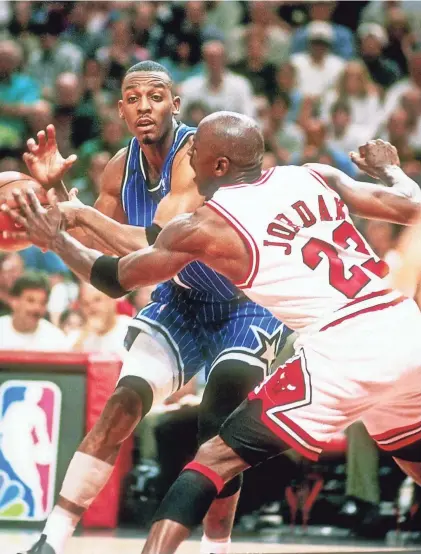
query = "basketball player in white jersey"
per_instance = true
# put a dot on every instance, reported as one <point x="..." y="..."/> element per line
<point x="286" y="238"/>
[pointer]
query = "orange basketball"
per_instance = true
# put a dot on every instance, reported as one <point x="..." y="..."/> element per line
<point x="10" y="180"/>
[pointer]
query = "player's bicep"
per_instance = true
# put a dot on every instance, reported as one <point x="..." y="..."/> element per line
<point x="109" y="199"/>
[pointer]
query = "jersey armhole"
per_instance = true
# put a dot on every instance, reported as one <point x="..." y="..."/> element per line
<point x="125" y="175"/>
<point x="248" y="240"/>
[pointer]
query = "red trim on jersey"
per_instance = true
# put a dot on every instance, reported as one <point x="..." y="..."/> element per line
<point x="400" y="442"/>
<point x="263" y="178"/>
<point x="321" y="179"/>
<point x="398" y="431"/>
<point x="289" y="439"/>
<point x="366" y="297"/>
<point x="375" y="308"/>
<point x="249" y="241"/>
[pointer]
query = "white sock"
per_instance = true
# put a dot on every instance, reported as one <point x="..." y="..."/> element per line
<point x="220" y="546"/>
<point x="59" y="528"/>
<point x="85" y="478"/>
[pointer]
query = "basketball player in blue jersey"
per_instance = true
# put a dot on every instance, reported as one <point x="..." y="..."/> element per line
<point x="198" y="319"/>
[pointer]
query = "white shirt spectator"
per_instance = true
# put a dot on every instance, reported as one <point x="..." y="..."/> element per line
<point x="234" y="94"/>
<point x="365" y="110"/>
<point x="86" y="340"/>
<point x="316" y="79"/>
<point x="45" y="338"/>
<point x="353" y="137"/>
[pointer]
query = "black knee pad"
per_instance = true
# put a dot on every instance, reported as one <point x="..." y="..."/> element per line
<point x="228" y="385"/>
<point x="141" y="387"/>
<point x="232" y="487"/>
<point x="188" y="499"/>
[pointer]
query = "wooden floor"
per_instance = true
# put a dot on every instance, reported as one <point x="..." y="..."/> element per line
<point x="12" y="543"/>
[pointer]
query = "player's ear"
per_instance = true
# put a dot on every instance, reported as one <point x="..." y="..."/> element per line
<point x="222" y="166"/>
<point x="120" y="109"/>
<point x="176" y="105"/>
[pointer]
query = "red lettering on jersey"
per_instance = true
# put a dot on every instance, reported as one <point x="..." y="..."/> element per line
<point x="307" y="217"/>
<point x="280" y="231"/>
<point x="285" y="219"/>
<point x="340" y="205"/>
<point x="324" y="212"/>
<point x="285" y="245"/>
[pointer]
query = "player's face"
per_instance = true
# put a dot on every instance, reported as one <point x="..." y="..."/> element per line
<point x="148" y="106"/>
<point x="208" y="168"/>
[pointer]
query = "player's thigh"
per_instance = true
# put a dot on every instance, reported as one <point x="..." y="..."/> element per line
<point x="163" y="349"/>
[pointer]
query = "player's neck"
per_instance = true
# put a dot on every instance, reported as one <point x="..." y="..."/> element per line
<point x="157" y="153"/>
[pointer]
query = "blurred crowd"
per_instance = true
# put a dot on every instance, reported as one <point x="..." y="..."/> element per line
<point x="321" y="78"/>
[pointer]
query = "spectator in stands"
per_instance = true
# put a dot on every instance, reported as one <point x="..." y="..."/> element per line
<point x="120" y="54"/>
<point x="53" y="57"/>
<point x="286" y="80"/>
<point x="184" y="60"/>
<point x="77" y="31"/>
<point x="342" y="38"/>
<point x="195" y="112"/>
<point x="145" y="31"/>
<point x="103" y="330"/>
<point x="373" y="39"/>
<point x="317" y="69"/>
<point x="21" y="26"/>
<point x="317" y="149"/>
<point x="254" y="67"/>
<point x="263" y="19"/>
<point x="19" y="94"/>
<point x="70" y="321"/>
<point x="355" y="87"/>
<point x="395" y="93"/>
<point x="398" y="131"/>
<point x="26" y="329"/>
<point x="11" y="268"/>
<point x="343" y="135"/>
<point x="398" y="30"/>
<point x="111" y="139"/>
<point x="283" y="138"/>
<point x="195" y="22"/>
<point x="222" y="89"/>
<point x="411" y="103"/>
<point x="89" y="184"/>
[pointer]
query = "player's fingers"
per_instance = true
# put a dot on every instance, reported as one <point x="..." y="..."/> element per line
<point x="68" y="162"/>
<point x="17" y="217"/>
<point x="33" y="201"/>
<point x="14" y="235"/>
<point x="21" y="203"/>
<point x="51" y="133"/>
<point x="32" y="145"/>
<point x="73" y="193"/>
<point x="42" y="139"/>
<point x="27" y="158"/>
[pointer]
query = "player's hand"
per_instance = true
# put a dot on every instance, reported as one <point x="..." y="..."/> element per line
<point x="375" y="156"/>
<point x="40" y="226"/>
<point x="70" y="209"/>
<point x="44" y="160"/>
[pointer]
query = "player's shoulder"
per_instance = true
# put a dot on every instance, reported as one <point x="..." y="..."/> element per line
<point x="113" y="173"/>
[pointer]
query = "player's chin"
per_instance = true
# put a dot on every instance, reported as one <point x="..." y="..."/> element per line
<point x="148" y="138"/>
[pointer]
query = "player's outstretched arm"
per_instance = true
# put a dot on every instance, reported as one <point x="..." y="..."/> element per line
<point x="202" y="236"/>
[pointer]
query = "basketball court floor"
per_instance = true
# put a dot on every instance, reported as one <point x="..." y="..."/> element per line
<point x="109" y="543"/>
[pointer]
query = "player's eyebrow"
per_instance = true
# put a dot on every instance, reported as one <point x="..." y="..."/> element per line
<point x="153" y="85"/>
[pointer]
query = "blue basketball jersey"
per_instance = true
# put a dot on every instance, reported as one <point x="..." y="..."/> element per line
<point x="140" y="200"/>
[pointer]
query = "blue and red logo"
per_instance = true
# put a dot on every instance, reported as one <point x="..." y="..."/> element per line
<point x="29" y="432"/>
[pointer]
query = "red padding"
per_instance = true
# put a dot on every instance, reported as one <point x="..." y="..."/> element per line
<point x="207" y="472"/>
<point x="101" y="377"/>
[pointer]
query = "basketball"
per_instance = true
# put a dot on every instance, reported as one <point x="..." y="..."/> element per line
<point x="10" y="180"/>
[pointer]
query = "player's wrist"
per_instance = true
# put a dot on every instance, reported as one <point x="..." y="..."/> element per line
<point x="390" y="175"/>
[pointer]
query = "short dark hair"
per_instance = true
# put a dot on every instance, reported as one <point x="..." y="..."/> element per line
<point x="32" y="280"/>
<point x="283" y="97"/>
<point x="149" y="65"/>
<point x="340" y="106"/>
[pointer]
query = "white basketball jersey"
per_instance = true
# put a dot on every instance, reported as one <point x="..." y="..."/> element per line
<point x="307" y="258"/>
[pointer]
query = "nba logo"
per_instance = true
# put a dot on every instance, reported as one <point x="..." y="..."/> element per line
<point x="29" y="431"/>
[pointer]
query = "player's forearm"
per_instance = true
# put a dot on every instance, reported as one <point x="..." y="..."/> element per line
<point x="393" y="176"/>
<point x="75" y="255"/>
<point x="118" y="238"/>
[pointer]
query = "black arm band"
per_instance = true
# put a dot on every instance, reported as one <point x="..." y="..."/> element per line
<point x="104" y="276"/>
<point x="152" y="233"/>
